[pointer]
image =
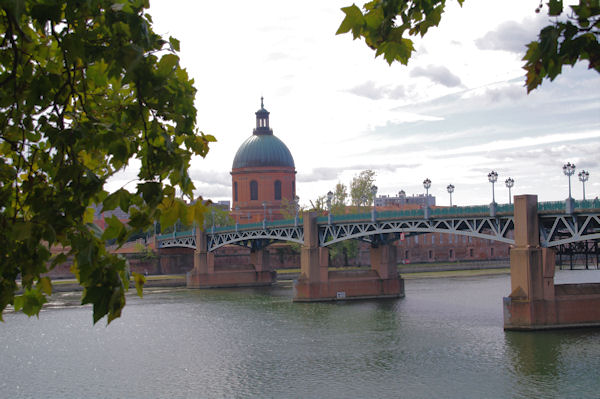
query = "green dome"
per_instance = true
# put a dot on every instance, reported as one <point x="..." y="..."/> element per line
<point x="263" y="150"/>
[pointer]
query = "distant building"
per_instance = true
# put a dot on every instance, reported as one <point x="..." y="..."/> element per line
<point x="401" y="200"/>
<point x="263" y="174"/>
<point x="223" y="205"/>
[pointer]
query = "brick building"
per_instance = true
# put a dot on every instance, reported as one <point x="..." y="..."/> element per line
<point x="263" y="174"/>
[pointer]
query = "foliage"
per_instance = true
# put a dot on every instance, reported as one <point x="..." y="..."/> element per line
<point x="385" y="25"/>
<point x="564" y="42"/>
<point x="86" y="86"/>
<point x="338" y="202"/>
<point x="220" y="217"/>
<point x="360" y="188"/>
<point x="288" y="209"/>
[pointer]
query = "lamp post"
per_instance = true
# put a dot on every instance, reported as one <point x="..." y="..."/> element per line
<point x="569" y="170"/>
<point x="329" y="199"/>
<point x="237" y="217"/>
<point x="264" y="204"/>
<point x="374" y="195"/>
<point x="584" y="175"/>
<point x="493" y="178"/>
<point x="450" y="189"/>
<point x="510" y="182"/>
<point x="297" y="206"/>
<point x="427" y="185"/>
<point x="213" y="219"/>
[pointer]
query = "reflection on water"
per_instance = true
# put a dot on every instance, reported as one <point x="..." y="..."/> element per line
<point x="444" y="339"/>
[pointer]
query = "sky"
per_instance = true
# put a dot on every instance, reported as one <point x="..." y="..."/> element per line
<point x="456" y="112"/>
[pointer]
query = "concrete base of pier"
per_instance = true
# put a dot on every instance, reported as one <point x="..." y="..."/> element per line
<point x="363" y="284"/>
<point x="574" y="306"/>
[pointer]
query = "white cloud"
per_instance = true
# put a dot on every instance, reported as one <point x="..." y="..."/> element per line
<point x="437" y="74"/>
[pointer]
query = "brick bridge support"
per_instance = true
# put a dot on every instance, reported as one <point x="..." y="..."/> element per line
<point x="535" y="301"/>
<point x="317" y="283"/>
<point x="206" y="275"/>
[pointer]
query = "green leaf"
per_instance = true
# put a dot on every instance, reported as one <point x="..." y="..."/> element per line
<point x="45" y="285"/>
<point x="353" y="21"/>
<point x="174" y="43"/>
<point x="555" y="7"/>
<point x="139" y="280"/>
<point x="167" y="64"/>
<point x="30" y="302"/>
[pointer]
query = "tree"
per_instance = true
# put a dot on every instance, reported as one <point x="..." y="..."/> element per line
<point x="360" y="188"/>
<point x="385" y="25"/>
<point x="85" y="87"/>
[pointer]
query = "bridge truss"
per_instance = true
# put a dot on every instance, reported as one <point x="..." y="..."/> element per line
<point x="256" y="238"/>
<point x="381" y="232"/>
<point x="555" y="230"/>
<point x="564" y="229"/>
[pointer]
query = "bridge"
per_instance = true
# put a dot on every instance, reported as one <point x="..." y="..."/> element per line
<point x="531" y="228"/>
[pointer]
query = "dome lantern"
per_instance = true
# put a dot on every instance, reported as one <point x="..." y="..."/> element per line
<point x="262" y="120"/>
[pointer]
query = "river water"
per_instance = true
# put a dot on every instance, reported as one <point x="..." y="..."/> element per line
<point x="443" y="340"/>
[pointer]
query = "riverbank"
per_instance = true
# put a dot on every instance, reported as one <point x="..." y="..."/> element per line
<point x="413" y="271"/>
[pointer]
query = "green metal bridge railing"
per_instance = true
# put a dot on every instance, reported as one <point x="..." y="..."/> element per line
<point x="478" y="210"/>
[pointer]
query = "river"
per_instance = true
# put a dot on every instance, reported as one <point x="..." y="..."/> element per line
<point x="443" y="340"/>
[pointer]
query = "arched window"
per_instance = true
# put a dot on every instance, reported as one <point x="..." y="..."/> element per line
<point x="235" y="197"/>
<point x="253" y="190"/>
<point x="277" y="190"/>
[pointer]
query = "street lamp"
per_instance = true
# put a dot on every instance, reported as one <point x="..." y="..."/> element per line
<point x="427" y="185"/>
<point x="297" y="206"/>
<point x="329" y="199"/>
<point x="213" y="219"/>
<point x="584" y="175"/>
<point x="569" y="170"/>
<point x="237" y="216"/>
<point x="374" y="195"/>
<point x="264" y="204"/>
<point x="510" y="182"/>
<point x="450" y="189"/>
<point x="493" y="178"/>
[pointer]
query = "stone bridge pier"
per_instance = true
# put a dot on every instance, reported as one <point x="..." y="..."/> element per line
<point x="535" y="301"/>
<point x="206" y="275"/>
<point x="318" y="283"/>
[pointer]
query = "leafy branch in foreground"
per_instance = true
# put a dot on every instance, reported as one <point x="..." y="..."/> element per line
<point x="85" y="87"/>
<point x="386" y="26"/>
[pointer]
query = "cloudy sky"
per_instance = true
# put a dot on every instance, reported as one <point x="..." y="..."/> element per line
<point x="458" y="111"/>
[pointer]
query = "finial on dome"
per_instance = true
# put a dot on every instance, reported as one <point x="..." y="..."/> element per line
<point x="261" y="102"/>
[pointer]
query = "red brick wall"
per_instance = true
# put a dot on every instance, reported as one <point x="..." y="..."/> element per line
<point x="265" y="177"/>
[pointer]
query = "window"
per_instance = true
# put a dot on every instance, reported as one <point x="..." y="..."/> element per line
<point x="430" y="254"/>
<point x="432" y="239"/>
<point x="451" y="254"/>
<point x="293" y="189"/>
<point x="491" y="251"/>
<point x="277" y="190"/>
<point x="235" y="197"/>
<point x="253" y="190"/>
<point x="471" y="252"/>
<point x="406" y="254"/>
<point x="416" y="239"/>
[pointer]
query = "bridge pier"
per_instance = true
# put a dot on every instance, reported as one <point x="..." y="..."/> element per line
<point x="535" y="301"/>
<point x="317" y="283"/>
<point x="205" y="275"/>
